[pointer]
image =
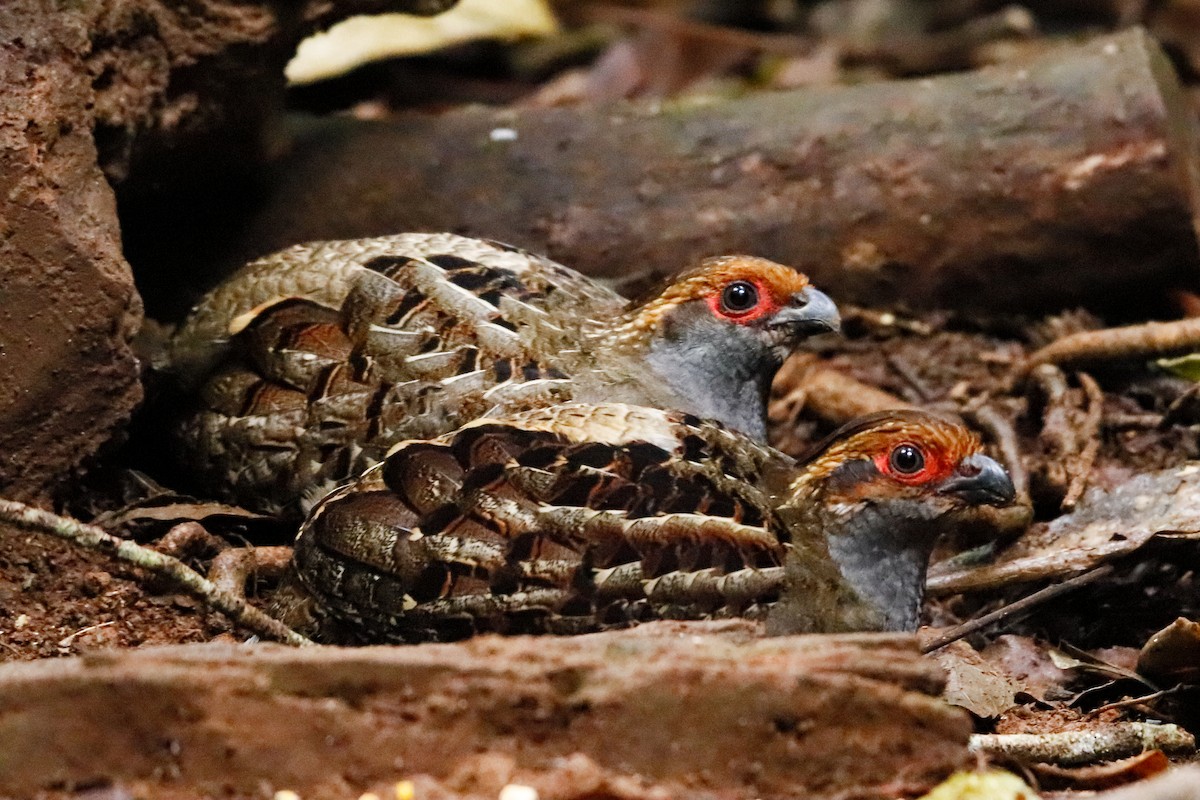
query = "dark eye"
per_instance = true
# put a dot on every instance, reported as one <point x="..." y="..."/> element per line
<point x="907" y="459"/>
<point x="739" y="297"/>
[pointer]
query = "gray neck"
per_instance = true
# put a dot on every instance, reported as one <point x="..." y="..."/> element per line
<point x="725" y="379"/>
<point x="885" y="561"/>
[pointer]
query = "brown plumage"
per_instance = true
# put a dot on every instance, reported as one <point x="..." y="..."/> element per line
<point x="315" y="360"/>
<point x="577" y="517"/>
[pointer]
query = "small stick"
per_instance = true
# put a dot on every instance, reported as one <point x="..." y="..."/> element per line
<point x="1179" y="406"/>
<point x="1125" y="421"/>
<point x="1136" y="701"/>
<point x="1075" y="748"/>
<point x="1014" y="609"/>
<point x="1091" y="437"/>
<point x="192" y="582"/>
<point x="910" y="377"/>
<point x="1112" y="344"/>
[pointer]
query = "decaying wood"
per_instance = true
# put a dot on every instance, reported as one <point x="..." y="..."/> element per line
<point x="956" y="191"/>
<point x="681" y="710"/>
<point x="152" y="88"/>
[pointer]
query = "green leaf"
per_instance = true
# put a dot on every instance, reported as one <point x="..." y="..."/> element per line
<point x="1186" y="367"/>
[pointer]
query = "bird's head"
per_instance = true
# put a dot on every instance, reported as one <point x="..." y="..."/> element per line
<point x="880" y="490"/>
<point x="717" y="333"/>
<point x="737" y="298"/>
<point x="903" y="458"/>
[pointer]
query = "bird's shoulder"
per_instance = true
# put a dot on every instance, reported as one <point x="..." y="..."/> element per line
<point x="327" y="273"/>
<point x="643" y="461"/>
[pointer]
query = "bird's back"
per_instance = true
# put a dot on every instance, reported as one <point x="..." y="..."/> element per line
<point x="322" y="356"/>
<point x="560" y="520"/>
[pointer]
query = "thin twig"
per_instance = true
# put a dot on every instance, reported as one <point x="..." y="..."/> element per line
<point x="1124" y="421"/>
<point x="189" y="580"/>
<point x="1136" y="701"/>
<point x="1179" y="407"/>
<point x="1091" y="437"/>
<point x="910" y="377"/>
<point x="1014" y="609"/>
<point x="66" y="641"/>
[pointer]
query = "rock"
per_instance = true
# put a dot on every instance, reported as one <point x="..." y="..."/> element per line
<point x="667" y="710"/>
<point x="68" y="378"/>
<point x="148" y="88"/>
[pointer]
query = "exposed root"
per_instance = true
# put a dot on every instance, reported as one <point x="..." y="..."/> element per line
<point x="1090" y="434"/>
<point x="1058" y="436"/>
<point x="188" y="539"/>
<point x="837" y="398"/>
<point x="1149" y="340"/>
<point x="232" y="569"/>
<point x="173" y="569"/>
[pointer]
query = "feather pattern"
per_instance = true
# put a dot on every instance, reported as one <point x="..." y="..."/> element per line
<point x="578" y="517"/>
<point x="314" y="361"/>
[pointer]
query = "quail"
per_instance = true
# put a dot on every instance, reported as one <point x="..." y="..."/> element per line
<point x="313" y="361"/>
<point x="578" y="517"/>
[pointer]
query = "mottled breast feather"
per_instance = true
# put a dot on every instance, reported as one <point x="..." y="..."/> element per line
<point x="518" y="525"/>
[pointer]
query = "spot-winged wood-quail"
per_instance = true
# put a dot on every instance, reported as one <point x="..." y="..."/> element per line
<point x="311" y="362"/>
<point x="582" y="516"/>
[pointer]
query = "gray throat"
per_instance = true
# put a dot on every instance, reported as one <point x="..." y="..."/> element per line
<point x="885" y="565"/>
<point x="729" y="385"/>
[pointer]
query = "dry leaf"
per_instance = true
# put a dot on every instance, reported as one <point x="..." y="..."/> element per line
<point x="974" y="684"/>
<point x="1029" y="665"/>
<point x="360" y="40"/>
<point x="1173" y="654"/>
<point x="993" y="784"/>
<point x="1103" y="776"/>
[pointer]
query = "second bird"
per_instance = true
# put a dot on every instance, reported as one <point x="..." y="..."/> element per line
<point x="579" y="517"/>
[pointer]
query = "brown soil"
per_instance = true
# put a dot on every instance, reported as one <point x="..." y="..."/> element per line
<point x="58" y="600"/>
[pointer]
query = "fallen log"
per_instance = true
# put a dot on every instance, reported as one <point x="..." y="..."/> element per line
<point x="667" y="710"/>
<point x="1069" y="179"/>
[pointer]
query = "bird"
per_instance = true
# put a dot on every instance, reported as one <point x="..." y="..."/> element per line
<point x="579" y="517"/>
<point x="311" y="362"/>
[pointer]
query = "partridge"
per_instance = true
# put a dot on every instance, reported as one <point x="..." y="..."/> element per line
<point x="317" y="359"/>
<point x="578" y="517"/>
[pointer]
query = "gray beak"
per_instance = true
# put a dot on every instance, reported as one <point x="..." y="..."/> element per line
<point x="980" y="480"/>
<point x="810" y="312"/>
